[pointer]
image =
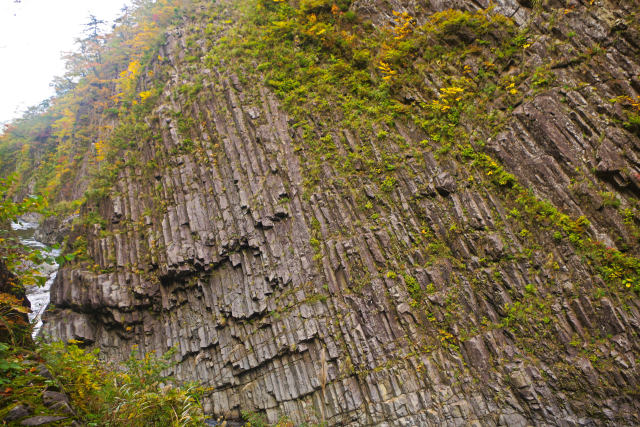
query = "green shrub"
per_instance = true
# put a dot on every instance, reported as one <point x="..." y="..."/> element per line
<point x="254" y="419"/>
<point x="633" y="123"/>
<point x="314" y="5"/>
<point x="388" y="185"/>
<point x="350" y="16"/>
<point x="361" y="58"/>
<point x="138" y="393"/>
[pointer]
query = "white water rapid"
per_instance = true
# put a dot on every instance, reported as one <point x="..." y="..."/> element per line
<point x="38" y="295"/>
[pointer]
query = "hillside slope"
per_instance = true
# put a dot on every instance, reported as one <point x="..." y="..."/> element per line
<point x="373" y="212"/>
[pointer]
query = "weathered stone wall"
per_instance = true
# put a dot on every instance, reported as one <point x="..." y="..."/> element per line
<point x="282" y="300"/>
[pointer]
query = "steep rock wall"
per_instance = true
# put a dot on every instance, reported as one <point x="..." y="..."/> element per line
<point x="300" y="299"/>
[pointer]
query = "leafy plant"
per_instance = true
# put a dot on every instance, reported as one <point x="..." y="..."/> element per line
<point x="138" y="391"/>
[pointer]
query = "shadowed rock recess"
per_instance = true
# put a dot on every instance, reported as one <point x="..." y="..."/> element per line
<point x="380" y="275"/>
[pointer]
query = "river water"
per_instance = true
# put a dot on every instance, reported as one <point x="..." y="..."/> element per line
<point x="39" y="296"/>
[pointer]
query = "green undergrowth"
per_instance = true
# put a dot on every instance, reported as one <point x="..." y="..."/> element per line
<point x="255" y="419"/>
<point x="135" y="393"/>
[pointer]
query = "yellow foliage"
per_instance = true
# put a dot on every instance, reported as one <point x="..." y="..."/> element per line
<point x="625" y="100"/>
<point x="404" y="25"/>
<point x="100" y="150"/>
<point x="451" y="91"/>
<point x="13" y="303"/>
<point x="634" y="102"/>
<point x="144" y="95"/>
<point x="440" y="106"/>
<point x="142" y="40"/>
<point x="64" y="126"/>
<point x="132" y="70"/>
<point x="447" y="97"/>
<point x="386" y="70"/>
<point x="129" y="77"/>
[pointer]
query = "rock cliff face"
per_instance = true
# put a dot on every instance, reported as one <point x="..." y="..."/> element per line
<point x="433" y="297"/>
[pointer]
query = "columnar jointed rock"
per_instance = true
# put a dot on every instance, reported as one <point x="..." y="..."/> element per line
<point x="294" y="301"/>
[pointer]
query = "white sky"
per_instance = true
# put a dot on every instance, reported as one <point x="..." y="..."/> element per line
<point x="33" y="35"/>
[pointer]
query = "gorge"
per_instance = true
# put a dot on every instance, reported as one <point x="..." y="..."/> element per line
<point x="357" y="212"/>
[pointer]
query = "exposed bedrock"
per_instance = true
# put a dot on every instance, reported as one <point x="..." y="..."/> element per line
<point x="290" y="299"/>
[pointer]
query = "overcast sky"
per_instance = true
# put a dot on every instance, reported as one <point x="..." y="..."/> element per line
<point x="33" y="35"/>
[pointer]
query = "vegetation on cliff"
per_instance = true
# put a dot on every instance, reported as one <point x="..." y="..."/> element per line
<point x="42" y="153"/>
<point x="457" y="76"/>
<point x="62" y="382"/>
<point x="47" y="148"/>
<point x="483" y="252"/>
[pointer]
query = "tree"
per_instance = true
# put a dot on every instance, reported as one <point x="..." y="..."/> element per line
<point x="92" y="28"/>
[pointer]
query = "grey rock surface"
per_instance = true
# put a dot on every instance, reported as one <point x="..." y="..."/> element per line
<point x="41" y="420"/>
<point x="285" y="298"/>
<point x="17" y="412"/>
